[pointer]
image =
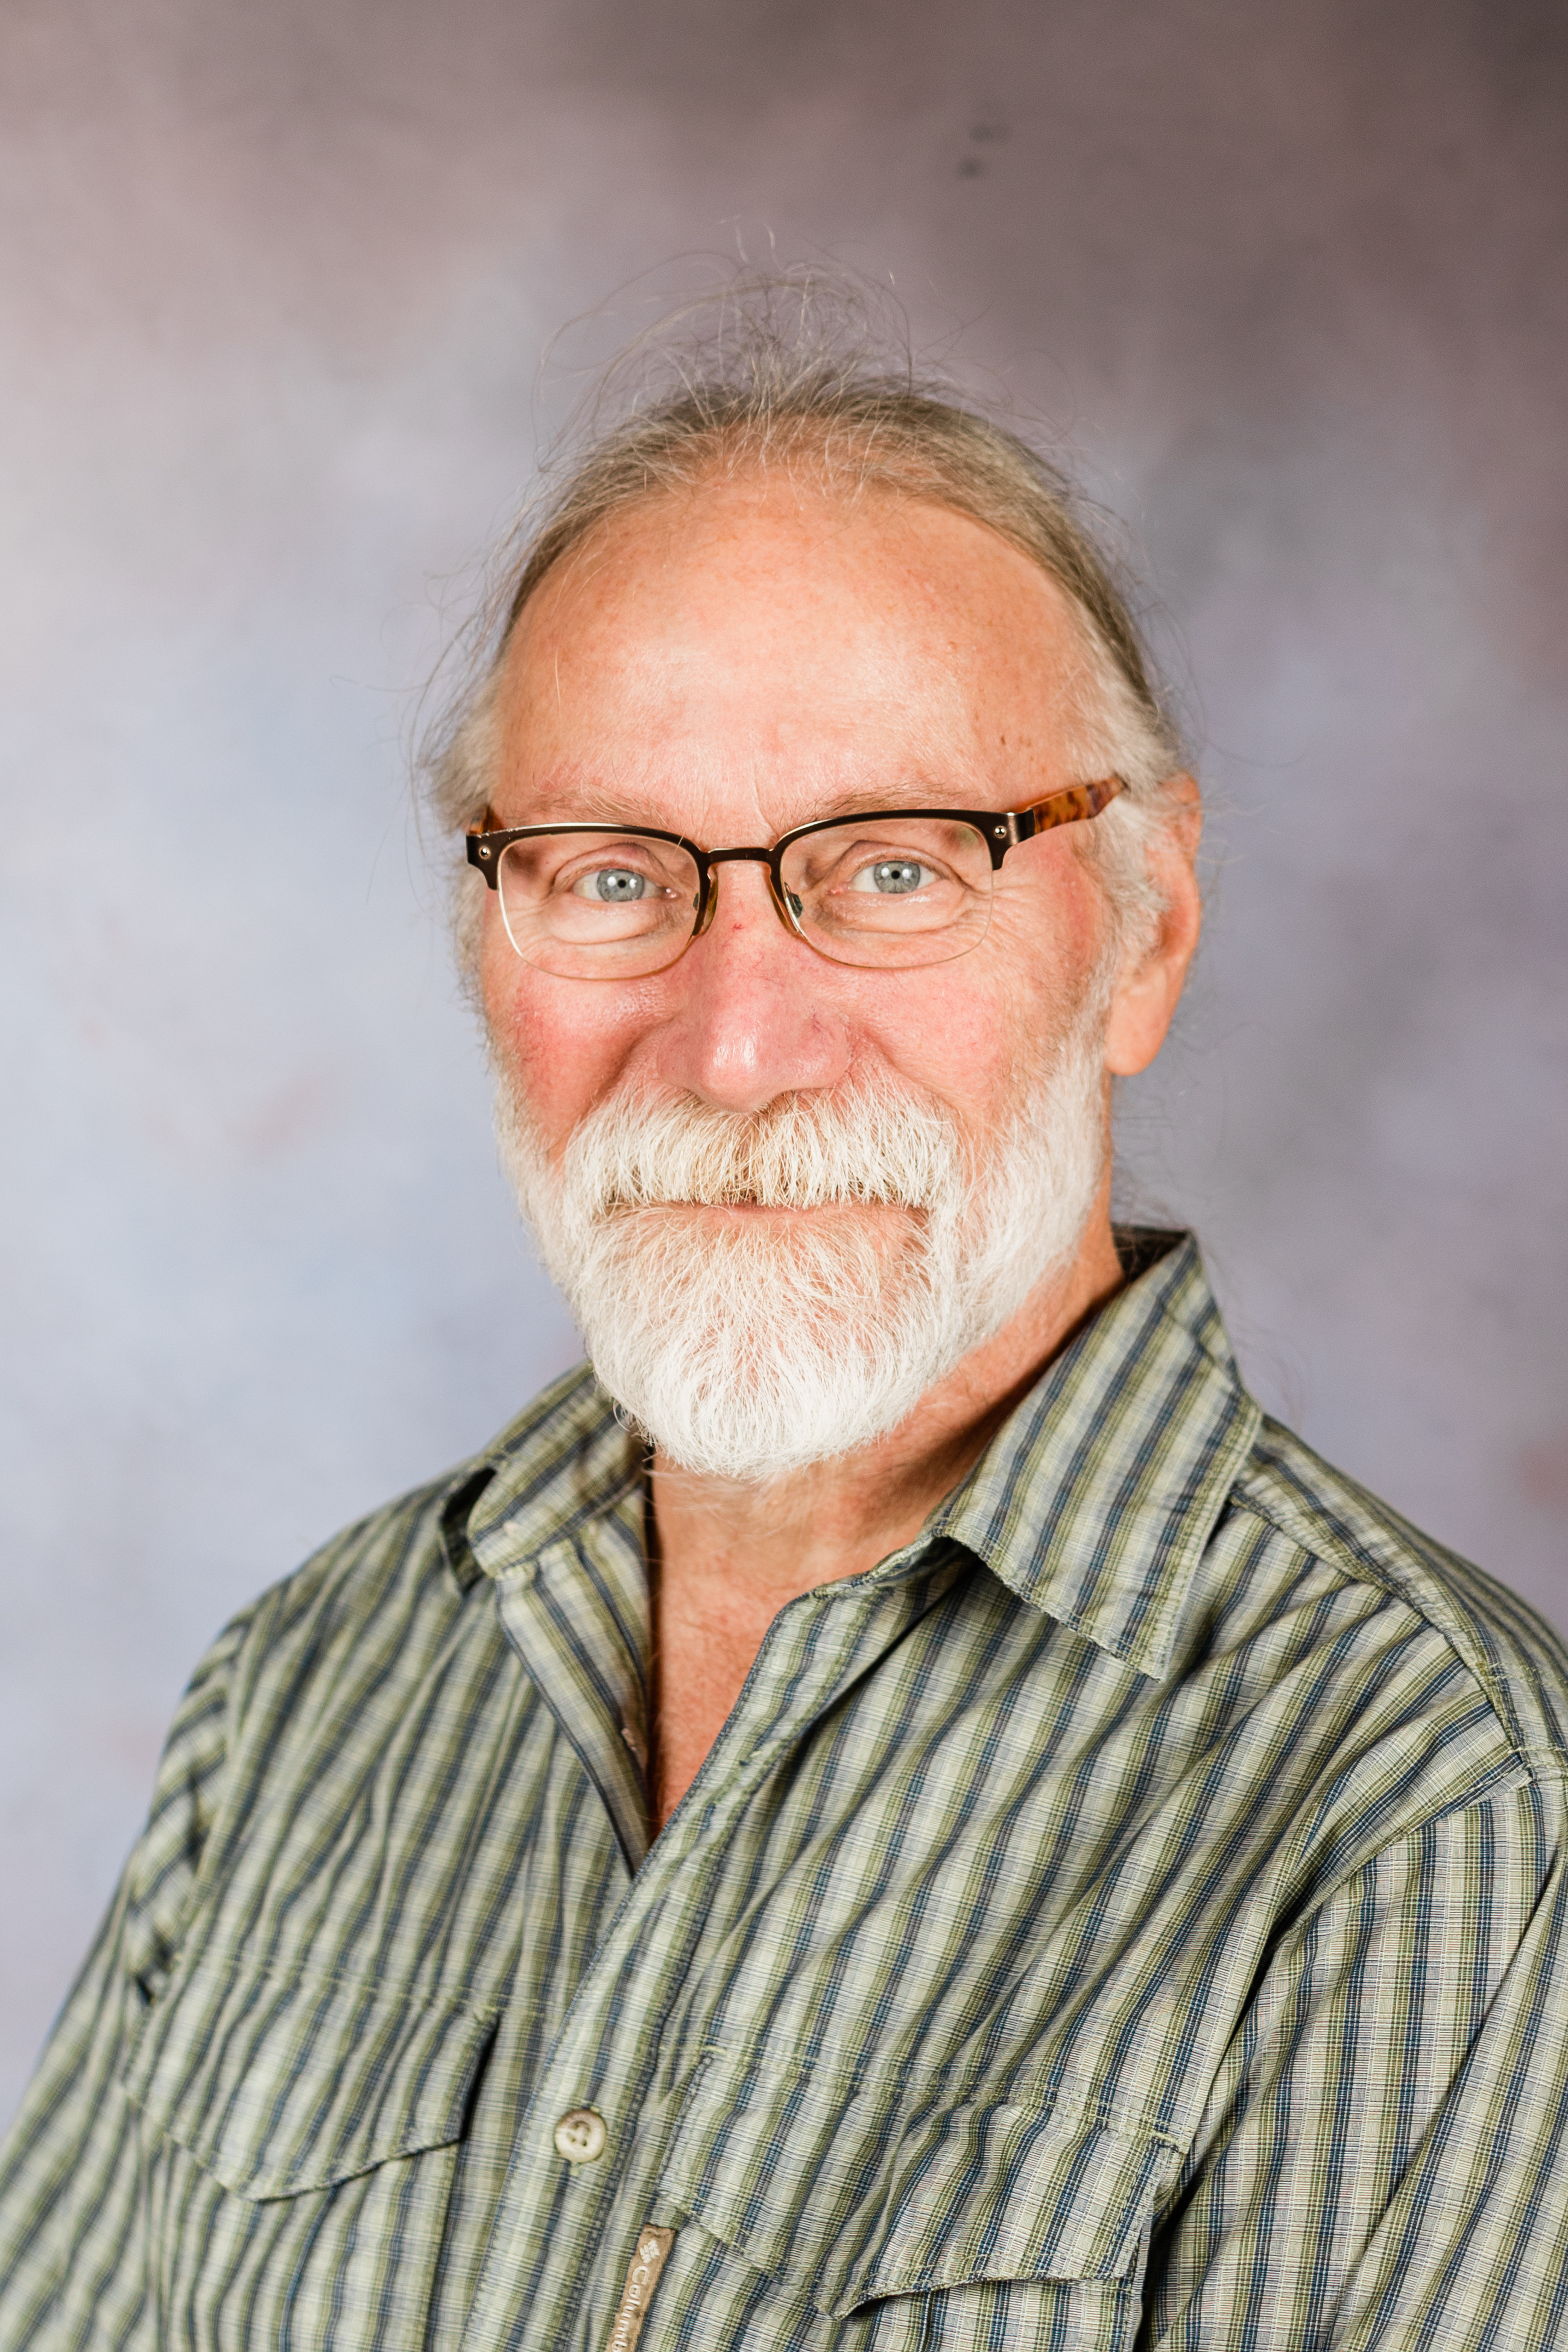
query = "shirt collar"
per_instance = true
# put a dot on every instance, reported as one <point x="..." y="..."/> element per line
<point x="566" y="1460"/>
<point x="1096" y="1499"/>
<point x="1093" y="1503"/>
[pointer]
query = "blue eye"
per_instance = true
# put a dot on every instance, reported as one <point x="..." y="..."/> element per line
<point x="893" y="877"/>
<point x="615" y="886"/>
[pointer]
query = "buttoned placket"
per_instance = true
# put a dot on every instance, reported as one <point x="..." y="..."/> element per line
<point x="566" y="2229"/>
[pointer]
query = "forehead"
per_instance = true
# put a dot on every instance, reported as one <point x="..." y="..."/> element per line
<point x="769" y="641"/>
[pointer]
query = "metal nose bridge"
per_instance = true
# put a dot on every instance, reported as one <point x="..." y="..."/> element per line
<point x="787" y="915"/>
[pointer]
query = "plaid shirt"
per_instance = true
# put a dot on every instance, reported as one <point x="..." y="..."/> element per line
<point x="1134" y="1914"/>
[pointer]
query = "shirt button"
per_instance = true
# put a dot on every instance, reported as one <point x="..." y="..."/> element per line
<point x="580" y="2135"/>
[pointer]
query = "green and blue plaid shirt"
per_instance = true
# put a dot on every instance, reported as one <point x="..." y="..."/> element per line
<point x="1134" y="1914"/>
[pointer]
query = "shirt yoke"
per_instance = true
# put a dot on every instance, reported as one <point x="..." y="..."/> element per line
<point x="1518" y="1664"/>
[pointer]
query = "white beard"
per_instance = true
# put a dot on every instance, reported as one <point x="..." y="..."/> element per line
<point x="745" y="1348"/>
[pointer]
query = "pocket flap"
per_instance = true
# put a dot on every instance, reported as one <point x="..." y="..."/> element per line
<point x="281" y="2084"/>
<point x="849" y="2193"/>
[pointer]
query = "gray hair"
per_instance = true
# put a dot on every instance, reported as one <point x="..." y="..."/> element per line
<point x="800" y="373"/>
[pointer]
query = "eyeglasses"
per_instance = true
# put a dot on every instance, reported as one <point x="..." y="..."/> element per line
<point x="890" y="890"/>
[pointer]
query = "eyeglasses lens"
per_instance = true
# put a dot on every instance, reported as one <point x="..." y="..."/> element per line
<point x="890" y="891"/>
<point x="597" y="906"/>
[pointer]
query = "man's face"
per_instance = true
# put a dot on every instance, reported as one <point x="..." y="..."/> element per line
<point x="741" y="660"/>
<point x="728" y="663"/>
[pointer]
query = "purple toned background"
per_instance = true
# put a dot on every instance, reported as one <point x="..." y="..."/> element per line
<point x="1291" y="282"/>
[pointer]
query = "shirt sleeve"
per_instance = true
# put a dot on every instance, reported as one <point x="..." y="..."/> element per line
<point x="70" y="2168"/>
<point x="1384" y="2163"/>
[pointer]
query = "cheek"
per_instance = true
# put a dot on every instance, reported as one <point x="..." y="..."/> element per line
<point x="1049" y="930"/>
<point x="954" y="1036"/>
<point x="566" y="1043"/>
<point x="979" y="1025"/>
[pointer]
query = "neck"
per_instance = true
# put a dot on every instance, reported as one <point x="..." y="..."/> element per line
<point x="727" y="1557"/>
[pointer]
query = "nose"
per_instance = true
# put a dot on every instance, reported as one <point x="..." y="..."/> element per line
<point x="757" y="1015"/>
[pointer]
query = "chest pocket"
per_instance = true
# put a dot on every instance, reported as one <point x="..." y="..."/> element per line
<point x="278" y="2085"/>
<point x="925" y="2223"/>
<point x="300" y="2156"/>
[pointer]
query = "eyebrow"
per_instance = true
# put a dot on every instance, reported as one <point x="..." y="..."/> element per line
<point x="598" y="804"/>
<point x="916" y="793"/>
<point x="585" y="804"/>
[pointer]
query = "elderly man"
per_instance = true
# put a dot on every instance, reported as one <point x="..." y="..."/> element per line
<point x="894" y="1810"/>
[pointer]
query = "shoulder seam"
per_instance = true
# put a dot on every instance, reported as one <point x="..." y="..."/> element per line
<point x="1363" y="1569"/>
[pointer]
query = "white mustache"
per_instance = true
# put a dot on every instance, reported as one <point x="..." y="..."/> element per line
<point x="869" y="1148"/>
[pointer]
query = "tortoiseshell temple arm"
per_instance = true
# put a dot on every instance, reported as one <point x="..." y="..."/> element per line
<point x="1003" y="829"/>
<point x="1066" y="807"/>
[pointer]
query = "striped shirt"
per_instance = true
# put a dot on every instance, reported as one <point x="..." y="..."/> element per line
<point x="1130" y="1915"/>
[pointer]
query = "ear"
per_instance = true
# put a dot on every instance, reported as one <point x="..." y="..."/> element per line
<point x="1148" y="987"/>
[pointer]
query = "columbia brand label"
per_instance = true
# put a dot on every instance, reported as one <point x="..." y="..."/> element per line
<point x="653" y="2247"/>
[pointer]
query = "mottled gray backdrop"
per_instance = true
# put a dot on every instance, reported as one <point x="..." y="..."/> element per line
<point x="1291" y="282"/>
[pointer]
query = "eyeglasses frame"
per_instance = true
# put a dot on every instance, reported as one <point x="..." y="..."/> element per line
<point x="1000" y="829"/>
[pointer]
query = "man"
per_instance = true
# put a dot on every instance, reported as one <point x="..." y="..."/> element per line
<point x="896" y="1811"/>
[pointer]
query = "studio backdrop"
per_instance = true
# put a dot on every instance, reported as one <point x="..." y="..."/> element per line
<point x="1286" y="285"/>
